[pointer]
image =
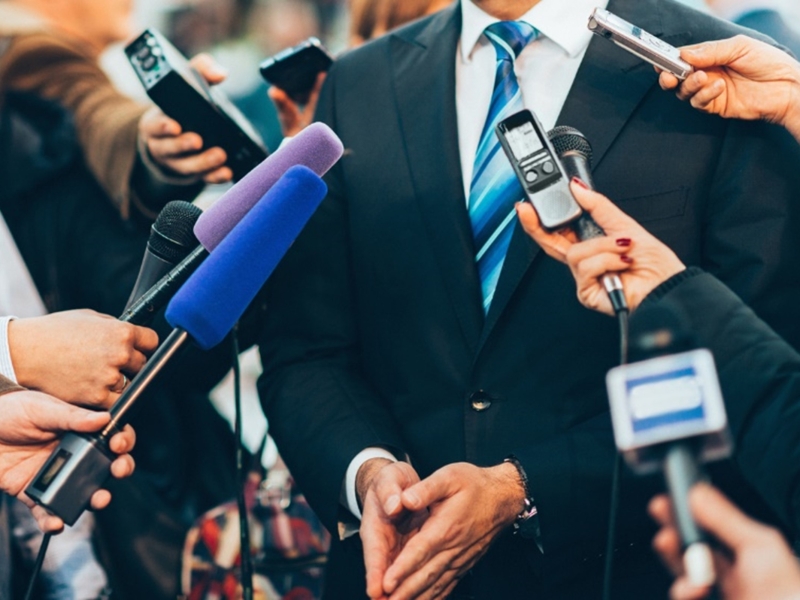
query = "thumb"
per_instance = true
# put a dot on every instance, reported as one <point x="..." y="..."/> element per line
<point x="56" y="416"/>
<point x="605" y="213"/>
<point x="719" y="516"/>
<point x="208" y="68"/>
<point x="712" y="54"/>
<point x="430" y="490"/>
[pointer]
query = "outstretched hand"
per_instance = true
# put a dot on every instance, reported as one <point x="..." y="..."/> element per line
<point x="741" y="78"/>
<point x="31" y="424"/>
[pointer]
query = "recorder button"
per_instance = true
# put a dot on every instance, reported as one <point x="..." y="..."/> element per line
<point x="148" y="63"/>
<point x="143" y="53"/>
<point x="531" y="176"/>
<point x="548" y="167"/>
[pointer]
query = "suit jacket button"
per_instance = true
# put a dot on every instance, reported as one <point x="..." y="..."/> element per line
<point x="480" y="401"/>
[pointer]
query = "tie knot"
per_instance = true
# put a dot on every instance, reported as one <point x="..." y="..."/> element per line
<point x="510" y="37"/>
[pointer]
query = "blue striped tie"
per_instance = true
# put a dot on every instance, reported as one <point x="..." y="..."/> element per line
<point x="494" y="188"/>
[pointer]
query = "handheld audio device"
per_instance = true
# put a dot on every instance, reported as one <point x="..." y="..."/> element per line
<point x="185" y="96"/>
<point x="640" y="43"/>
<point x="538" y="169"/>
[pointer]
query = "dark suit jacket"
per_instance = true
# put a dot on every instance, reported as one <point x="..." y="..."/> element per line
<point x="377" y="336"/>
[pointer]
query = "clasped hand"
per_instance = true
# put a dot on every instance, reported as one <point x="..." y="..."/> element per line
<point x="421" y="537"/>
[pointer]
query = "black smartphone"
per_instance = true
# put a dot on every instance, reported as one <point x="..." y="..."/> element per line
<point x="183" y="94"/>
<point x="295" y="69"/>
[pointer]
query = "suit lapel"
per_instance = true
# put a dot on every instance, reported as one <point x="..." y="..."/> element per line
<point x="608" y="87"/>
<point x="424" y="77"/>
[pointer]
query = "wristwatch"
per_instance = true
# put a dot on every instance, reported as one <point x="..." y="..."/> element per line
<point x="526" y="524"/>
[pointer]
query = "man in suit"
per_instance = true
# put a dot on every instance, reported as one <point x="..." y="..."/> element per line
<point x="390" y="337"/>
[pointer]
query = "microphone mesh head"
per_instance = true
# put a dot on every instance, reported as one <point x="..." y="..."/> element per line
<point x="172" y="235"/>
<point x="568" y="139"/>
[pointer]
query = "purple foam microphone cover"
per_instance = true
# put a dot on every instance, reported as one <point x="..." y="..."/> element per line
<point x="316" y="147"/>
<point x="216" y="295"/>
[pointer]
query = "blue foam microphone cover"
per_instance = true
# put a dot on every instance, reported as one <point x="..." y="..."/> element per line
<point x="215" y="296"/>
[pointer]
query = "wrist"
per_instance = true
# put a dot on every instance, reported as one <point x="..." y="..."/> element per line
<point x="366" y="474"/>
<point x="23" y="357"/>
<point x="791" y="119"/>
<point x="512" y="491"/>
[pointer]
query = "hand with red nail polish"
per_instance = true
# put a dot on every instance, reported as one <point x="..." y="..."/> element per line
<point x="641" y="260"/>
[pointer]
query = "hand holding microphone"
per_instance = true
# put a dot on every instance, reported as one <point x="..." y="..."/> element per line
<point x="641" y="260"/>
<point x="741" y="78"/>
<point x="30" y="426"/>
<point x="757" y="562"/>
<point x="79" y="356"/>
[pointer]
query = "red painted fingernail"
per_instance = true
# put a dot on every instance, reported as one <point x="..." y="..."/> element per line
<point x="580" y="182"/>
<point x="626" y="259"/>
<point x="624" y="242"/>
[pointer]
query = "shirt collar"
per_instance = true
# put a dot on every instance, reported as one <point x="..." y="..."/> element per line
<point x="562" y="22"/>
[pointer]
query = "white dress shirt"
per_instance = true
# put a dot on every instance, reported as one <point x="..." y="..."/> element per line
<point x="18" y="295"/>
<point x="545" y="70"/>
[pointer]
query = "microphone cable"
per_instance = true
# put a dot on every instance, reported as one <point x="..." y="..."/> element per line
<point x="241" y="475"/>
<point x="37" y="567"/>
<point x="608" y="566"/>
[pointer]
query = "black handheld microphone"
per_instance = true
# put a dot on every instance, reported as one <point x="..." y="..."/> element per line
<point x="668" y="414"/>
<point x="171" y="240"/>
<point x="575" y="153"/>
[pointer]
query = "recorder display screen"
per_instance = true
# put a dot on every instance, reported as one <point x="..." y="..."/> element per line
<point x="524" y="141"/>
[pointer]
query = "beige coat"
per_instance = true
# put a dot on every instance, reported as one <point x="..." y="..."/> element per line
<point x="37" y="58"/>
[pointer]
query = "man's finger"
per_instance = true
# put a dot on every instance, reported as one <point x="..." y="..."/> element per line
<point x="417" y="553"/>
<point x="123" y="467"/>
<point x="375" y="539"/>
<point x="209" y="68"/>
<point x="100" y="499"/>
<point x="708" y="94"/>
<point x="172" y="147"/>
<point x="124" y="441"/>
<point x="145" y="339"/>
<point x="221" y="175"/>
<point x="434" y="488"/>
<point x="682" y="589"/>
<point x="712" y="54"/>
<point x="436" y="573"/>
<point x="718" y="515"/>
<point x="155" y="124"/>
<point x="47" y="523"/>
<point x="693" y="84"/>
<point x="667" y="544"/>
<point x="668" y="81"/>
<point x="660" y="508"/>
<point x="195" y="164"/>
<point x="55" y="415"/>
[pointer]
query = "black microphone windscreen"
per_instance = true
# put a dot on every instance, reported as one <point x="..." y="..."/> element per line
<point x="172" y="236"/>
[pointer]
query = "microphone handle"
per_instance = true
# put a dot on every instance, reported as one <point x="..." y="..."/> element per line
<point x="153" y="269"/>
<point x="681" y="472"/>
<point x="144" y="309"/>
<point x="144" y="378"/>
<point x="585" y="227"/>
<point x="81" y="463"/>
